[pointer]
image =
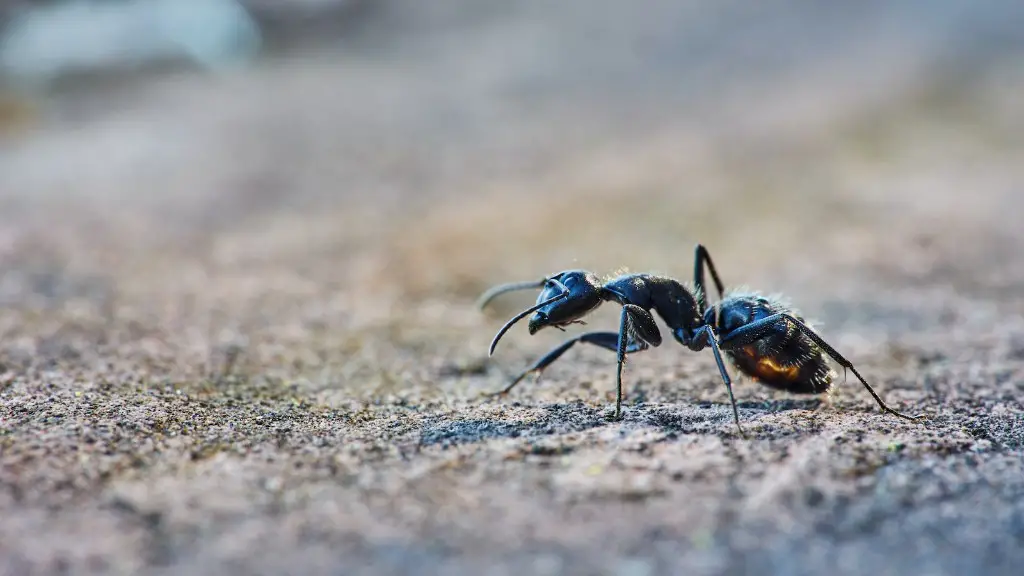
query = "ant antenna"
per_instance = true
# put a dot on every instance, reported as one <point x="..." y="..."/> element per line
<point x="528" y="311"/>
<point x="496" y="291"/>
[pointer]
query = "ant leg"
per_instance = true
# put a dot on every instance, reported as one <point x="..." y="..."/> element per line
<point x="636" y="324"/>
<point x="606" y="340"/>
<point x="702" y="257"/>
<point x="725" y="373"/>
<point x="640" y="324"/>
<point x="758" y="329"/>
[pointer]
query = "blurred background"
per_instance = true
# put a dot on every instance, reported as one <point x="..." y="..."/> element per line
<point x="318" y="190"/>
<point x="219" y="162"/>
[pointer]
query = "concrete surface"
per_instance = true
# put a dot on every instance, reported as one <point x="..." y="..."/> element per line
<point x="238" y="332"/>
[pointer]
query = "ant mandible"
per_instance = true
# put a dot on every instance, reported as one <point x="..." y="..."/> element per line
<point x="762" y="337"/>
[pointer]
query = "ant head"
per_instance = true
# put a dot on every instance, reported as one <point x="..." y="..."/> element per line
<point x="581" y="294"/>
<point x="564" y="299"/>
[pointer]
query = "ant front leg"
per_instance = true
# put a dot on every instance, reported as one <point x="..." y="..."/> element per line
<point x="702" y="257"/>
<point x="607" y="340"/>
<point x="640" y="324"/>
<point x="756" y="330"/>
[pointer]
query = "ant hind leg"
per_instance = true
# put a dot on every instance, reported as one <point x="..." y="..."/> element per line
<point x="760" y="328"/>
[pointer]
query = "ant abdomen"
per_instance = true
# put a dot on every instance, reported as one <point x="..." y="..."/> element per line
<point x="782" y="357"/>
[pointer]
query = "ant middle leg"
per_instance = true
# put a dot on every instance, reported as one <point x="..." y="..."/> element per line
<point x="758" y="329"/>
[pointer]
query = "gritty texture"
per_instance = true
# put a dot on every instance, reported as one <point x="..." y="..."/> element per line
<point x="238" y="332"/>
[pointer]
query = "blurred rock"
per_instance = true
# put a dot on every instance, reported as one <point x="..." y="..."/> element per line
<point x="43" y="42"/>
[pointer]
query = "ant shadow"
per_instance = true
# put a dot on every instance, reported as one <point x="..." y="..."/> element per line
<point x="774" y="406"/>
<point x="561" y="418"/>
<point x="708" y="418"/>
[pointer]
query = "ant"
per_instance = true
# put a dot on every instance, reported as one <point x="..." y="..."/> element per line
<point x="762" y="337"/>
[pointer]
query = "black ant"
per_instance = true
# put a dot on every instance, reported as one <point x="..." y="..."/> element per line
<point x="764" y="338"/>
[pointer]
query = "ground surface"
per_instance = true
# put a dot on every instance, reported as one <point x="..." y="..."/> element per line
<point x="238" y="332"/>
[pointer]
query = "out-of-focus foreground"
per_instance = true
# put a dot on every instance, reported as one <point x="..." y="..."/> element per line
<point x="238" y="332"/>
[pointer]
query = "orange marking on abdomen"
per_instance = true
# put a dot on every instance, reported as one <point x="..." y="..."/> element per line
<point x="768" y="369"/>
